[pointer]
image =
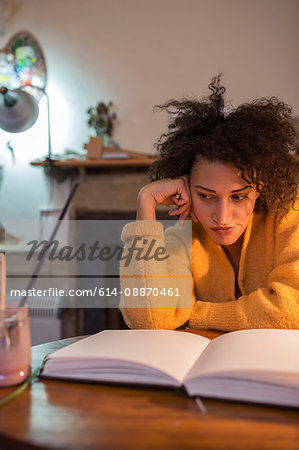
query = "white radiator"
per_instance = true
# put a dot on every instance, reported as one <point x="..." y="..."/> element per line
<point x="45" y="319"/>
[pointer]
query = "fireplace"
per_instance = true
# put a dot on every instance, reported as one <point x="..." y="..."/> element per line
<point x="104" y="196"/>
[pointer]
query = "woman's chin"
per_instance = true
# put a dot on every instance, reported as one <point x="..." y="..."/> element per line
<point x="224" y="239"/>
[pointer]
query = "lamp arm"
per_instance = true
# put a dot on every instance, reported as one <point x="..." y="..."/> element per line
<point x="49" y="125"/>
<point x="49" y="122"/>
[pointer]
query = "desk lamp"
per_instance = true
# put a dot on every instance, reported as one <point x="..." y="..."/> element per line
<point x="19" y="111"/>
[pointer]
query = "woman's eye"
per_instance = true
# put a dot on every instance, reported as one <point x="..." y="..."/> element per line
<point x="206" y="196"/>
<point x="239" y="198"/>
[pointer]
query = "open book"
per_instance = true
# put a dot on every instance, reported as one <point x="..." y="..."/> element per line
<point x="250" y="365"/>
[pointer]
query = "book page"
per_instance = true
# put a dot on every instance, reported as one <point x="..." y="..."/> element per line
<point x="171" y="352"/>
<point x="269" y="355"/>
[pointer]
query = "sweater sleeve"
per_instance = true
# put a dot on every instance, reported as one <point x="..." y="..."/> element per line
<point x="273" y="306"/>
<point x="156" y="283"/>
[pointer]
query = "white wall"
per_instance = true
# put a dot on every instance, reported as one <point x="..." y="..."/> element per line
<point x="139" y="53"/>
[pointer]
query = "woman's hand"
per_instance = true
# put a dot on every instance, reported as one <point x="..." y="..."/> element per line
<point x="166" y="192"/>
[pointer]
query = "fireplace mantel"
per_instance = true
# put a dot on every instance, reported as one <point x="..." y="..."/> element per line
<point x="100" y="162"/>
<point x="111" y="190"/>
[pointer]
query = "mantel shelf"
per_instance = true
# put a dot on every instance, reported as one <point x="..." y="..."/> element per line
<point x="129" y="162"/>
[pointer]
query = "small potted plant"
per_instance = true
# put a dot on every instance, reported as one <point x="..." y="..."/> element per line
<point x="101" y="119"/>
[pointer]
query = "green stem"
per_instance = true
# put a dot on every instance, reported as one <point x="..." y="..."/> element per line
<point x="23" y="386"/>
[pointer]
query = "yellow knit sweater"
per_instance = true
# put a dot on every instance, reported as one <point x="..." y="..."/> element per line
<point x="268" y="277"/>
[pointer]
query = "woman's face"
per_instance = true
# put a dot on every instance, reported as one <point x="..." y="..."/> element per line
<point x="222" y="201"/>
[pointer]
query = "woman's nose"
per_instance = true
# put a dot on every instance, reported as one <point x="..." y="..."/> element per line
<point x="223" y="214"/>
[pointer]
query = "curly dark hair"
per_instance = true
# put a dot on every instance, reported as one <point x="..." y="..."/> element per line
<point x="256" y="138"/>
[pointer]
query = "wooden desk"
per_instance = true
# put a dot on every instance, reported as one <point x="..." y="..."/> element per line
<point x="73" y="416"/>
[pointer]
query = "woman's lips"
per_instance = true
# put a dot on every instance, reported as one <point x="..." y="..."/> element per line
<point x="223" y="230"/>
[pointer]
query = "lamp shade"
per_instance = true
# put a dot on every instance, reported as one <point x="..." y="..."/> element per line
<point x="18" y="110"/>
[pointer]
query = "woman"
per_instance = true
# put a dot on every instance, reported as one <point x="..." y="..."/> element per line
<point x="232" y="172"/>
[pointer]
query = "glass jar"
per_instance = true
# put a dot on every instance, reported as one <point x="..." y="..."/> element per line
<point x="15" y="345"/>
